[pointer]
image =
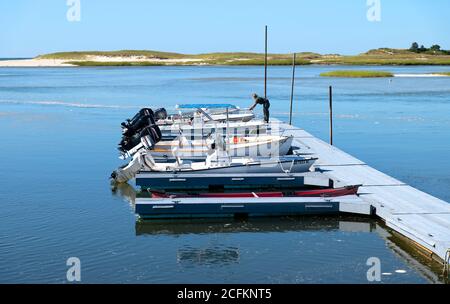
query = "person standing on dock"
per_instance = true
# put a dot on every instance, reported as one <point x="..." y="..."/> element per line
<point x="265" y="103"/>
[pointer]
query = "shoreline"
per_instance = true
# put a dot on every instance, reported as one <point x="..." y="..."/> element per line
<point x="378" y="57"/>
<point x="61" y="63"/>
<point x="54" y="63"/>
<point x="114" y="62"/>
<point x="34" y="63"/>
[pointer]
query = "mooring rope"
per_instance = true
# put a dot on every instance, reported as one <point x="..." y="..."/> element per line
<point x="447" y="262"/>
<point x="282" y="168"/>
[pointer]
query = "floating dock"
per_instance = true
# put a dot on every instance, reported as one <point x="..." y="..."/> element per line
<point x="151" y="208"/>
<point x="420" y="217"/>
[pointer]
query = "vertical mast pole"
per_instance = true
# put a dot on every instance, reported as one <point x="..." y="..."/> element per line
<point x="292" y="89"/>
<point x="331" y="114"/>
<point x="265" y="65"/>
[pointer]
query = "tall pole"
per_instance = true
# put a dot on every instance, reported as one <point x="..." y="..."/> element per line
<point x="292" y="88"/>
<point x="265" y="66"/>
<point x="331" y="114"/>
<point x="227" y="136"/>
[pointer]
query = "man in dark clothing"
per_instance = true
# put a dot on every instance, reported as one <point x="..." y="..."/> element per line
<point x="265" y="103"/>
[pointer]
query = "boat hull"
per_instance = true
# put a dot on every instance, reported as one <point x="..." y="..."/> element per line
<point x="327" y="192"/>
<point x="167" y="208"/>
<point x="198" y="149"/>
<point x="285" y="173"/>
<point x="198" y="131"/>
<point x="219" y="117"/>
<point x="196" y="181"/>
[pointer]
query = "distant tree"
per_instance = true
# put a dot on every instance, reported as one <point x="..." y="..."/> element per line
<point x="435" y="48"/>
<point x="414" y="47"/>
<point x="422" y="49"/>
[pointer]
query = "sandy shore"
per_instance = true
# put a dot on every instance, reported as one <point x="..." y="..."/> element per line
<point x="420" y="75"/>
<point x="35" y="62"/>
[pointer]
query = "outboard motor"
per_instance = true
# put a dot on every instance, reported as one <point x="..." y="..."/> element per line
<point x="129" y="142"/>
<point x="149" y="136"/>
<point x="141" y="125"/>
<point x="161" y="114"/>
<point x="142" y="133"/>
<point x="143" y="118"/>
<point x="142" y="112"/>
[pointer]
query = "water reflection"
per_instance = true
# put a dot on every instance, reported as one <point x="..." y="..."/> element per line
<point x="126" y="192"/>
<point x="215" y="255"/>
<point x="254" y="225"/>
<point x="221" y="253"/>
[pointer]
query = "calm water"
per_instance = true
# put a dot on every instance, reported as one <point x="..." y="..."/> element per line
<point x="60" y="128"/>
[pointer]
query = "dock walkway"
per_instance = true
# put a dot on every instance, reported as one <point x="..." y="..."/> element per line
<point x="417" y="215"/>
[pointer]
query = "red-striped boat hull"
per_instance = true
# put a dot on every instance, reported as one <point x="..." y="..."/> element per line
<point x="350" y="190"/>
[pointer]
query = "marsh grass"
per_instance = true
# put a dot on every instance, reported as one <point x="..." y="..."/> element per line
<point x="357" y="74"/>
<point x="256" y="62"/>
<point x="442" y="73"/>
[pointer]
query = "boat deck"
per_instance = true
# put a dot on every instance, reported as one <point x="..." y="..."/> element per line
<point x="416" y="215"/>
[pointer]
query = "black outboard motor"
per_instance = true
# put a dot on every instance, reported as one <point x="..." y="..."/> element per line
<point x="129" y="142"/>
<point x="143" y="126"/>
<point x="143" y="118"/>
<point x="161" y="114"/>
<point x="150" y="136"/>
<point x="142" y="112"/>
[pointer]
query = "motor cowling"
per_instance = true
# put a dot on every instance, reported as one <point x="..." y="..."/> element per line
<point x="143" y="118"/>
<point x="161" y="114"/>
<point x="139" y="115"/>
<point x="142" y="125"/>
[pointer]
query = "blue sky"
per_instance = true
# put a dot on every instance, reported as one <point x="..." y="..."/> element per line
<point x="32" y="27"/>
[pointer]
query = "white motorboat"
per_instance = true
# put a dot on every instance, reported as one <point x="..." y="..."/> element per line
<point x="218" y="165"/>
<point x="256" y="146"/>
<point x="198" y="129"/>
<point x="207" y="113"/>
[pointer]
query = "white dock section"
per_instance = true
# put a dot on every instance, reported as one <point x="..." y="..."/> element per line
<point x="411" y="212"/>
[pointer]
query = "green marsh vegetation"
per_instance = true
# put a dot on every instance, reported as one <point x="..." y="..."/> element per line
<point x="357" y="74"/>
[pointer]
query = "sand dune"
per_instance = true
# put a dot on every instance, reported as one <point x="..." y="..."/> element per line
<point x="37" y="62"/>
<point x="34" y="63"/>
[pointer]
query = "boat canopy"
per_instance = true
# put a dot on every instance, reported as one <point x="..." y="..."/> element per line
<point x="206" y="106"/>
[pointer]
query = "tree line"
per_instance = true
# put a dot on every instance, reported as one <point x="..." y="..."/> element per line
<point x="435" y="49"/>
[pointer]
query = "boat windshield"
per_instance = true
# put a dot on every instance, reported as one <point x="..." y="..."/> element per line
<point x="205" y="106"/>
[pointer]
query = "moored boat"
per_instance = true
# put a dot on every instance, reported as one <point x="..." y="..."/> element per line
<point x="263" y="146"/>
<point x="285" y="172"/>
<point x="321" y="192"/>
<point x="215" y="170"/>
<point x="309" y="202"/>
<point x="201" y="130"/>
<point x="206" y="113"/>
